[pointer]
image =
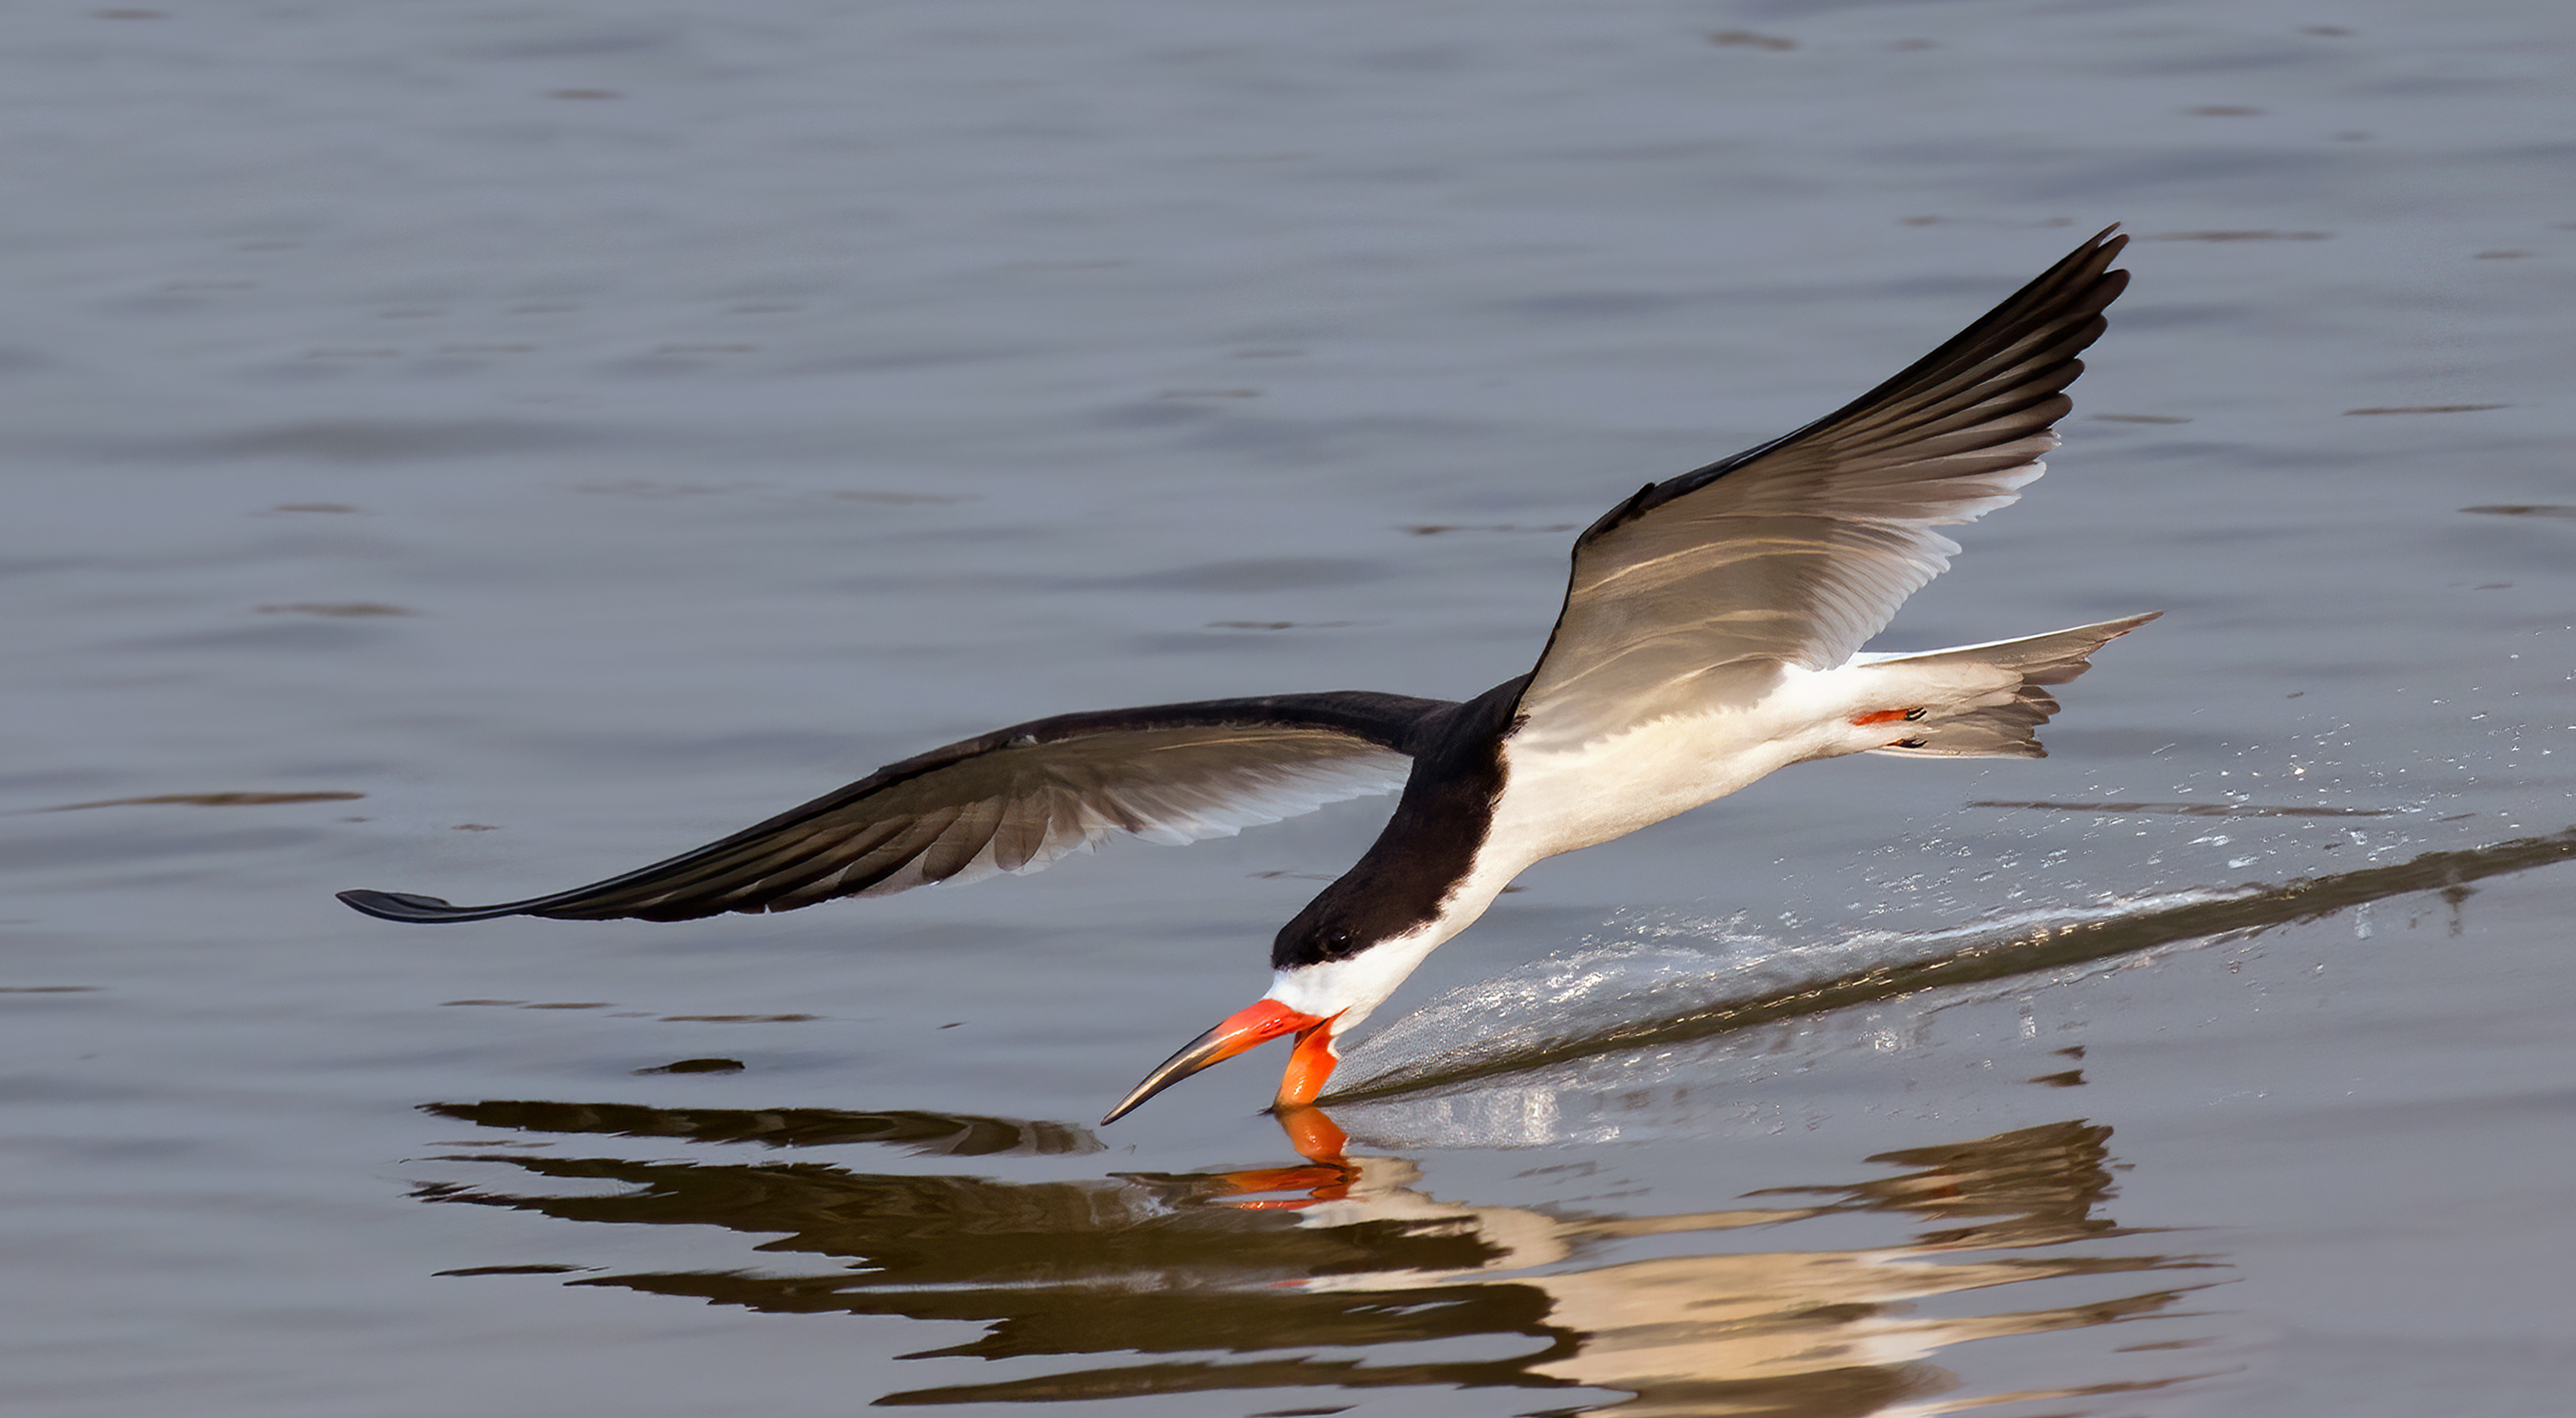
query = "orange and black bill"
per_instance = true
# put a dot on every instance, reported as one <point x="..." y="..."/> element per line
<point x="1266" y="1020"/>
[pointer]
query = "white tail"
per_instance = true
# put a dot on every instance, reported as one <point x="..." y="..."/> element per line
<point x="2009" y="729"/>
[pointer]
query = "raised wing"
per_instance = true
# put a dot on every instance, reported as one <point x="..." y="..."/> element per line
<point x="1693" y="594"/>
<point x="1012" y="800"/>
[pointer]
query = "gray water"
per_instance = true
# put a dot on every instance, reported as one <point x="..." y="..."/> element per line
<point x="476" y="449"/>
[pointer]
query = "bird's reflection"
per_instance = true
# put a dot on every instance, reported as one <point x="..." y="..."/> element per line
<point x="1338" y="1272"/>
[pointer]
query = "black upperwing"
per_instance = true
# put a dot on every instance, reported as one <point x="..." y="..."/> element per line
<point x="1693" y="593"/>
<point x="1012" y="800"/>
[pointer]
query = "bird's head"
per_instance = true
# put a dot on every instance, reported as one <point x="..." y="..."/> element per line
<point x="1329" y="972"/>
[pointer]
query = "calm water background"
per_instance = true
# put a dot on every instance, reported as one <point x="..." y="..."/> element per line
<point x="551" y="435"/>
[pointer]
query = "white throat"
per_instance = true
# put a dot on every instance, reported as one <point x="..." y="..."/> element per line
<point x="1345" y="991"/>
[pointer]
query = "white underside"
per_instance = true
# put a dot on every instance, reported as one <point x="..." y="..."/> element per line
<point x="1560" y="800"/>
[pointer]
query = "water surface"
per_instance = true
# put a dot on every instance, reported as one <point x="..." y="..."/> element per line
<point x="475" y="450"/>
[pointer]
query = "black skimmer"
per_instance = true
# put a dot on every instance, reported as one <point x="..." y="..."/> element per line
<point x="1710" y="634"/>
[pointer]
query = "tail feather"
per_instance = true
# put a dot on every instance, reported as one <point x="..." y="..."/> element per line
<point x="2009" y="729"/>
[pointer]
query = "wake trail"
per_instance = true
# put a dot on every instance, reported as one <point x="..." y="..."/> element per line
<point x="1607" y="998"/>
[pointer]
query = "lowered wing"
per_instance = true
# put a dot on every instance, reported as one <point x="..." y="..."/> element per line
<point x="1693" y="594"/>
<point x="1012" y="800"/>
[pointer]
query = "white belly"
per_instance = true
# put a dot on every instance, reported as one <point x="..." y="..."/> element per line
<point x="1563" y="797"/>
<point x="1561" y="800"/>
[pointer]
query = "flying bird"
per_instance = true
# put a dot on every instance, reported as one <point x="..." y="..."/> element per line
<point x="1711" y="633"/>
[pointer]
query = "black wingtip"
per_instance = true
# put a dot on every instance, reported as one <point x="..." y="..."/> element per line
<point x="403" y="906"/>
